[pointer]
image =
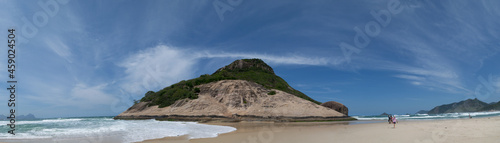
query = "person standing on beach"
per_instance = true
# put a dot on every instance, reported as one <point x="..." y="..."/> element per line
<point x="394" y="120"/>
<point x="390" y="119"/>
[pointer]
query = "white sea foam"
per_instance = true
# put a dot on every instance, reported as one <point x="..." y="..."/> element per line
<point x="432" y="116"/>
<point x="41" y="121"/>
<point x="127" y="130"/>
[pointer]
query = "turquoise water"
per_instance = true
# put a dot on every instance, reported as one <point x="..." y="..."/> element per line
<point x="432" y="117"/>
<point x="99" y="128"/>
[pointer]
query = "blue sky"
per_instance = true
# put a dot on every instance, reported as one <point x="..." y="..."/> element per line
<point x="93" y="58"/>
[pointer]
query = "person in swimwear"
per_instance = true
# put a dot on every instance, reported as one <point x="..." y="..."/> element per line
<point x="394" y="121"/>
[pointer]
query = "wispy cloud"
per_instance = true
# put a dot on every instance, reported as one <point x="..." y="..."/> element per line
<point x="288" y="59"/>
<point x="431" y="69"/>
<point x="154" y="67"/>
<point x="163" y="65"/>
<point x="92" y="57"/>
<point x="82" y="95"/>
<point x="78" y="96"/>
<point x="59" y="47"/>
<point x="410" y="77"/>
<point x="441" y="55"/>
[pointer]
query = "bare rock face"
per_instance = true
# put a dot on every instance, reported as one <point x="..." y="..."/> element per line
<point x="337" y="107"/>
<point x="247" y="64"/>
<point x="237" y="99"/>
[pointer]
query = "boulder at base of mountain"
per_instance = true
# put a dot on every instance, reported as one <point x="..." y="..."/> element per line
<point x="339" y="107"/>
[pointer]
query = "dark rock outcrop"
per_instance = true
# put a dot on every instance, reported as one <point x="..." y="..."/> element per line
<point x="339" y="107"/>
<point x="247" y="64"/>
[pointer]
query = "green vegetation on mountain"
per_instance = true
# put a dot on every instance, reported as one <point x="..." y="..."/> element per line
<point x="254" y="70"/>
<point x="494" y="106"/>
<point x="271" y="93"/>
<point x="469" y="105"/>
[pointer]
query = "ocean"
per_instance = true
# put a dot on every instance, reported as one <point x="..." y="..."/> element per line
<point x="97" y="129"/>
<point x="431" y="117"/>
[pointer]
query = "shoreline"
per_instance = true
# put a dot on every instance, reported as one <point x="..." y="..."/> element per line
<point x="485" y="129"/>
<point x="236" y="118"/>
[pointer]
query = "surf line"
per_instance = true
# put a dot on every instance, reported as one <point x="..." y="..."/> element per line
<point x="11" y="42"/>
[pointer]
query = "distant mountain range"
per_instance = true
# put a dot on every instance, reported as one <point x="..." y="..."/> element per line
<point x="469" y="105"/>
<point x="493" y="106"/>
<point x="423" y="112"/>
<point x="24" y="117"/>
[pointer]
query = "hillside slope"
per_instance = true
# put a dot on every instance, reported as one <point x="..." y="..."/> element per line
<point x="254" y="70"/>
<point x="469" y="105"/>
<point x="246" y="89"/>
<point x="494" y="106"/>
<point x="235" y="100"/>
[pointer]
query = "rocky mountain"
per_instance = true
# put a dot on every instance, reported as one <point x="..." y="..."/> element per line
<point x="246" y="89"/>
<point x="29" y="116"/>
<point x="21" y="117"/>
<point x="494" y="106"/>
<point x="469" y="105"/>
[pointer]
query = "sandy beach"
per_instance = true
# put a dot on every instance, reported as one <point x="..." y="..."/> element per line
<point x="424" y="131"/>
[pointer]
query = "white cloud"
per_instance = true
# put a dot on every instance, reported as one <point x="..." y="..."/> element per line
<point x="416" y="83"/>
<point x="494" y="82"/>
<point x="58" y="46"/>
<point x="410" y="77"/>
<point x="497" y="85"/>
<point x="79" y="96"/>
<point x="290" y="59"/>
<point x="163" y="65"/>
<point x="418" y="60"/>
<point x="438" y="70"/>
<point x="156" y="67"/>
<point x="435" y="74"/>
<point x="442" y="55"/>
<point x="93" y="95"/>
